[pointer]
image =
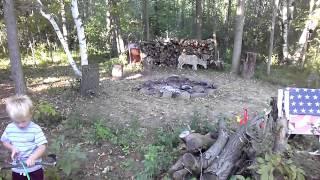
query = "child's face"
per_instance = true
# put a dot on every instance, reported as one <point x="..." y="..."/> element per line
<point x="22" y="122"/>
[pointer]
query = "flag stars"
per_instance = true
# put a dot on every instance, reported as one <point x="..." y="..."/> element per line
<point x="301" y="103"/>
<point x="317" y="104"/>
<point x="311" y="110"/>
<point x="309" y="103"/>
<point x="299" y="96"/>
<point x="307" y="96"/>
<point x="295" y="111"/>
<point x="303" y="110"/>
<point x="293" y="103"/>
<point x="315" y="97"/>
<point x="313" y="90"/>
<point x="318" y="111"/>
<point x="291" y="97"/>
<point x="297" y="90"/>
<point x="305" y="90"/>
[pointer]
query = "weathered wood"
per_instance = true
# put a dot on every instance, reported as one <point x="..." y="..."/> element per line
<point x="90" y="79"/>
<point x="224" y="157"/>
<point x="248" y="66"/>
<point x="166" y="51"/>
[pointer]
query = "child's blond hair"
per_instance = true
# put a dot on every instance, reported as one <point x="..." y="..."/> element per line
<point x="18" y="107"/>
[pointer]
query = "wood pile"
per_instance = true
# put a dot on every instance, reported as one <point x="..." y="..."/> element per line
<point x="166" y="51"/>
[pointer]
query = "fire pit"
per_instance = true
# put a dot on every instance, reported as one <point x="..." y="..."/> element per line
<point x="176" y="87"/>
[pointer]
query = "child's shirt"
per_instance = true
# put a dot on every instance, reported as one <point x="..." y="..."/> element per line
<point x="26" y="140"/>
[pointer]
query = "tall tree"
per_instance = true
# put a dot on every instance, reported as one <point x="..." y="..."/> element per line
<point x="238" y="31"/>
<point x="80" y="32"/>
<point x="273" y="22"/>
<point x="146" y="28"/>
<point x="199" y="13"/>
<point x="56" y="28"/>
<point x="64" y="20"/>
<point x="310" y="25"/>
<point x="13" y="47"/>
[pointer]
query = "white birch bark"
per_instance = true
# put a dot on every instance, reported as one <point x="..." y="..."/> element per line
<point x="80" y="32"/>
<point x="56" y="28"/>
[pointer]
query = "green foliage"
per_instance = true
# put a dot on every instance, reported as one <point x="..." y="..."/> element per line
<point x="239" y="177"/>
<point x="102" y="133"/>
<point x="156" y="158"/>
<point x="282" y="75"/>
<point x="47" y="114"/>
<point x="200" y="125"/>
<point x="273" y="166"/>
<point x="69" y="158"/>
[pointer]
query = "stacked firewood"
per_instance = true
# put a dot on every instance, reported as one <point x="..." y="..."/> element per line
<point x="167" y="51"/>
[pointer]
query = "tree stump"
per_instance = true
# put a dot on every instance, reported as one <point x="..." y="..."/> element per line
<point x="90" y="79"/>
<point x="248" y="66"/>
<point x="117" y="71"/>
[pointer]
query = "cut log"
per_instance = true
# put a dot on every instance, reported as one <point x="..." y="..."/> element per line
<point x="224" y="157"/>
<point x="166" y="52"/>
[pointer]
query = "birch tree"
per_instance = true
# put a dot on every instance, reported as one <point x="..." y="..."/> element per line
<point x="80" y="32"/>
<point x="238" y="31"/>
<point x="13" y="47"/>
<point x="63" y="42"/>
<point x="64" y="20"/>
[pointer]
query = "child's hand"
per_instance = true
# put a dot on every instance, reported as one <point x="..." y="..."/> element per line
<point x="30" y="162"/>
<point x="14" y="153"/>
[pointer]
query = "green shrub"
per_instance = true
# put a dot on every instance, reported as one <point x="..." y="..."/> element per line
<point x="274" y="167"/>
<point x="69" y="158"/>
<point x="46" y="113"/>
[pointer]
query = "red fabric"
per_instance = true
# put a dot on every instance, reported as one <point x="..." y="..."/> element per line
<point x="245" y="117"/>
<point x="135" y="55"/>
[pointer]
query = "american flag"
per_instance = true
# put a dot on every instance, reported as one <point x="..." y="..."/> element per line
<point x="304" y="111"/>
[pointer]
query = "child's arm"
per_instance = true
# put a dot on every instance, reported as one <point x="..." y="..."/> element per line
<point x="13" y="150"/>
<point x="36" y="155"/>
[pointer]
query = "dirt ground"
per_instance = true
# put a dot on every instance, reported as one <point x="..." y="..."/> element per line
<point x="118" y="104"/>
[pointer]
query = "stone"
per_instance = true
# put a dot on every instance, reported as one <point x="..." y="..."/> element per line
<point x="198" y="89"/>
<point x="184" y="95"/>
<point x="167" y="94"/>
<point x="211" y="92"/>
<point x="195" y="95"/>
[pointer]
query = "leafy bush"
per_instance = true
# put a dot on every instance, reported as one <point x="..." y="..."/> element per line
<point x="274" y="166"/>
<point x="156" y="159"/>
<point x="47" y="114"/>
<point x="69" y="158"/>
<point x="102" y="133"/>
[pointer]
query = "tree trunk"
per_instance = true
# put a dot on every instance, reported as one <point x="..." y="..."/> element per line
<point x="227" y="24"/>
<point x="146" y="28"/>
<point x="273" y="22"/>
<point x="120" y="42"/>
<point x="13" y="47"/>
<point x="199" y="13"/>
<point x="80" y="32"/>
<point x="238" y="31"/>
<point x="311" y="25"/>
<point x="64" y="21"/>
<point x="55" y="26"/>
<point x="285" y="30"/>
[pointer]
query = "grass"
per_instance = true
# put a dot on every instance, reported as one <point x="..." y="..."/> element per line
<point x="283" y="75"/>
